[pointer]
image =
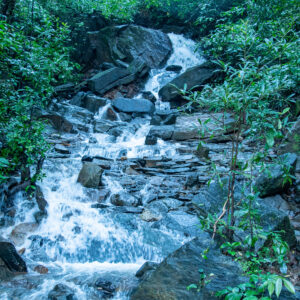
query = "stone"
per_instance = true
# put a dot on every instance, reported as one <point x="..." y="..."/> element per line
<point x="41" y="269"/>
<point x="90" y="175"/>
<point x="62" y="292"/>
<point x="93" y="103"/>
<point x="170" y="120"/>
<point x="111" y="115"/>
<point x="78" y="99"/>
<point x="174" y="68"/>
<point x="58" y="122"/>
<point x="163" y="132"/>
<point x="12" y="261"/>
<point x="181" y="268"/>
<point x="62" y="149"/>
<point x="150" y="140"/>
<point x="149" y="96"/>
<point x="292" y="142"/>
<point x="133" y="105"/>
<point x="150" y="216"/>
<point x="129" y="42"/>
<point x="106" y="288"/>
<point x="124" y="199"/>
<point x="20" y="232"/>
<point x="272" y="181"/>
<point x="40" y="199"/>
<point x="193" y="77"/>
<point x="147" y="267"/>
<point x="106" y="65"/>
<point x="202" y="152"/>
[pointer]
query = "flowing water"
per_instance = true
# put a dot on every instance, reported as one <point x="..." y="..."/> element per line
<point x="79" y="242"/>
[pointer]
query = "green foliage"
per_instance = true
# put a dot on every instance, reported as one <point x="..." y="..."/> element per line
<point x="34" y="59"/>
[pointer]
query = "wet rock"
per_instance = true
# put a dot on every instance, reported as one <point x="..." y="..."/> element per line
<point x="62" y="149"/>
<point x="78" y="99"/>
<point x="93" y="140"/>
<point x="170" y="120"/>
<point x="111" y="114"/>
<point x="146" y="268"/>
<point x="58" y="122"/>
<point x="149" y="96"/>
<point x="106" y="66"/>
<point x="41" y="269"/>
<point x="125" y="117"/>
<point x="150" y="140"/>
<point x="93" y="103"/>
<point x="292" y="143"/>
<point x="62" y="292"/>
<point x="174" y="68"/>
<point x="211" y="200"/>
<point x="103" y="194"/>
<point x="124" y="199"/>
<point x="195" y="76"/>
<point x="40" y="199"/>
<point x="184" y="265"/>
<point x="106" y="288"/>
<point x="104" y="164"/>
<point x="172" y="204"/>
<point x="156" y="120"/>
<point x="202" y="152"/>
<point x="163" y="132"/>
<point x="272" y="181"/>
<point x="129" y="42"/>
<point x="12" y="261"/>
<point x="133" y="105"/>
<point x="150" y="216"/>
<point x="20" y="232"/>
<point x="103" y="126"/>
<point x="64" y="89"/>
<point x="90" y="175"/>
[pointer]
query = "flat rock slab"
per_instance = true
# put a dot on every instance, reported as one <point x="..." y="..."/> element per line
<point x="133" y="105"/>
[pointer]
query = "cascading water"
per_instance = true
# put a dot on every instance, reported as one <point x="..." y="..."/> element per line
<point x="79" y="242"/>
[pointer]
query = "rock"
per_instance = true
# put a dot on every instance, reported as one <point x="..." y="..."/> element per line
<point x="163" y="132"/>
<point x="192" y="77"/>
<point x="133" y="105"/>
<point x="150" y="140"/>
<point x="105" y="287"/>
<point x="146" y="268"/>
<point x="20" y="232"/>
<point x="272" y="181"/>
<point x="103" y="126"/>
<point x="172" y="204"/>
<point x="90" y="175"/>
<point x="103" y="194"/>
<point x="202" y="152"/>
<point x="125" y="117"/>
<point x="210" y="200"/>
<point x="128" y="42"/>
<point x="150" y="216"/>
<point x="61" y="149"/>
<point x="149" y="96"/>
<point x="174" y="68"/>
<point x="62" y="292"/>
<point x="124" y="199"/>
<point x="111" y="115"/>
<point x="170" y="120"/>
<point x="181" y="268"/>
<point x="64" y="89"/>
<point x="58" y="122"/>
<point x="12" y="261"/>
<point x="106" y="80"/>
<point x="41" y="269"/>
<point x="40" y="199"/>
<point x="156" y="120"/>
<point x="93" y="103"/>
<point x="78" y="99"/>
<point x="292" y="142"/>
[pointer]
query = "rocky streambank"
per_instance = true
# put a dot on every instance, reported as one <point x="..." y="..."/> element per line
<point x="126" y="183"/>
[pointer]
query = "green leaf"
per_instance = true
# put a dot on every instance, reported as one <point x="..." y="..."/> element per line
<point x="289" y="286"/>
<point x="192" y="286"/>
<point x="278" y="287"/>
<point x="271" y="288"/>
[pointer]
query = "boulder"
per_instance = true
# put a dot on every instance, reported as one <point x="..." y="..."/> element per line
<point x="20" y="232"/>
<point x="193" y="78"/>
<point x="124" y="199"/>
<point x="146" y="268"/>
<point x="93" y="103"/>
<point x="272" y="181"/>
<point x="292" y="142"/>
<point x="128" y="42"/>
<point x="10" y="261"/>
<point x="62" y="292"/>
<point x="211" y="200"/>
<point x="133" y="105"/>
<point x="90" y="175"/>
<point x="163" y="132"/>
<point x="106" y="288"/>
<point x="181" y="268"/>
<point x="174" y="68"/>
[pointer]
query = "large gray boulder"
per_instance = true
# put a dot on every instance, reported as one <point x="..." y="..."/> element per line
<point x="133" y="105"/>
<point x="194" y="77"/>
<point x="210" y="200"/>
<point x="129" y="42"/>
<point x="181" y="268"/>
<point x="10" y="261"/>
<point x="90" y="175"/>
<point x="272" y="181"/>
